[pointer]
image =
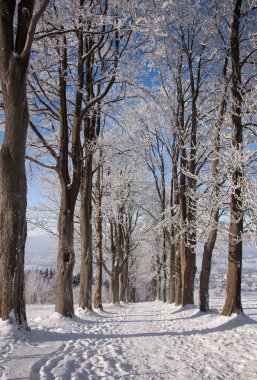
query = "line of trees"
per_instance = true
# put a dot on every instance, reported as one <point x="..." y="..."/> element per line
<point x="142" y="118"/>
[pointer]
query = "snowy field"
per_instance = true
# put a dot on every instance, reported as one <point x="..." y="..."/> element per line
<point x="133" y="341"/>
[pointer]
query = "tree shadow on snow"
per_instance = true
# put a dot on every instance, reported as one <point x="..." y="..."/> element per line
<point x="231" y="324"/>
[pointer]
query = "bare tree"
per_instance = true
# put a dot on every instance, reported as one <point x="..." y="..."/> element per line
<point x="87" y="64"/>
<point x="97" y="88"/>
<point x="215" y="212"/>
<point x="16" y="38"/>
<point x="99" y="238"/>
<point x="233" y="298"/>
<point x="157" y="163"/>
<point x="67" y="161"/>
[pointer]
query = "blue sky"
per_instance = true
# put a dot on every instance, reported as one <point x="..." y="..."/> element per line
<point x="33" y="192"/>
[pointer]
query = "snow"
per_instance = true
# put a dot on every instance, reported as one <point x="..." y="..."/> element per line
<point x="132" y="341"/>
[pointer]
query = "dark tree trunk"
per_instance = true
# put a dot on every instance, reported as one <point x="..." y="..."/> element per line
<point x="131" y="279"/>
<point x="181" y="254"/>
<point x="152" y="290"/>
<point x="132" y="294"/>
<point x="189" y="298"/>
<point x="182" y="250"/>
<point x="206" y="267"/>
<point x="15" y="47"/>
<point x="178" y="279"/>
<point x="175" y="270"/>
<point x="172" y="282"/>
<point x="99" y="255"/>
<point x="66" y="258"/>
<point x="119" y="257"/>
<point x="164" y="265"/>
<point x="124" y="282"/>
<point x="158" y="279"/>
<point x="188" y="200"/>
<point x="69" y="186"/>
<point x="190" y="267"/>
<point x="13" y="196"/>
<point x="233" y="297"/>
<point x="214" y="219"/>
<point x="172" y="247"/>
<point x="114" y="289"/>
<point x="164" y="246"/>
<point x="86" y="268"/>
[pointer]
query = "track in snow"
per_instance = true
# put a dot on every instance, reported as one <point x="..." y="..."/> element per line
<point x="133" y="341"/>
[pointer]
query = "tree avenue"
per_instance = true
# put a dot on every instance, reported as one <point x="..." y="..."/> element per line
<point x="141" y="121"/>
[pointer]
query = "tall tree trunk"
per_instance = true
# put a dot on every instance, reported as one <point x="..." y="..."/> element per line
<point x="206" y="266"/>
<point x="124" y="281"/>
<point x="132" y="294"/>
<point x="178" y="278"/>
<point x="99" y="255"/>
<point x="16" y="38"/>
<point x="114" y="286"/>
<point x="152" y="290"/>
<point x="164" y="265"/>
<point x="182" y="250"/>
<point x="233" y="298"/>
<point x="86" y="268"/>
<point x="158" y="279"/>
<point x="117" y="250"/>
<point x="66" y="257"/>
<point x="181" y="255"/>
<point x="69" y="187"/>
<point x="214" y="219"/>
<point x="172" y="288"/>
<point x="164" y="246"/>
<point x="190" y="271"/>
<point x="13" y="195"/>
<point x="175" y="270"/>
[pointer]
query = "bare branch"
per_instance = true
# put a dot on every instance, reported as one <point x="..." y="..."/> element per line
<point x="40" y="163"/>
<point x="32" y="28"/>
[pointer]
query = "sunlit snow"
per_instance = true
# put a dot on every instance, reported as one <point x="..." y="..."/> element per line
<point x="133" y="341"/>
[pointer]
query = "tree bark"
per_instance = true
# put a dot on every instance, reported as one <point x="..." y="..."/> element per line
<point x="178" y="279"/>
<point x="214" y="219"/>
<point x="206" y="267"/>
<point x="132" y="294"/>
<point x="114" y="286"/>
<point x="233" y="297"/>
<point x="181" y="255"/>
<point x="13" y="194"/>
<point x="172" y="292"/>
<point x="118" y="257"/>
<point x="164" y="246"/>
<point x="190" y="267"/>
<point x="164" y="268"/>
<point x="66" y="258"/>
<point x="69" y="187"/>
<point x="15" y="47"/>
<point x="174" y="204"/>
<point x="99" y="255"/>
<point x="86" y="268"/>
<point x="158" y="280"/>
<point x="124" y="282"/>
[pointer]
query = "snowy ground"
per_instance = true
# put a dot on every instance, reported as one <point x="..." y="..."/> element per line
<point x="132" y="341"/>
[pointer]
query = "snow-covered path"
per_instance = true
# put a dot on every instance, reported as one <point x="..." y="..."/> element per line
<point x="186" y="344"/>
<point x="132" y="341"/>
